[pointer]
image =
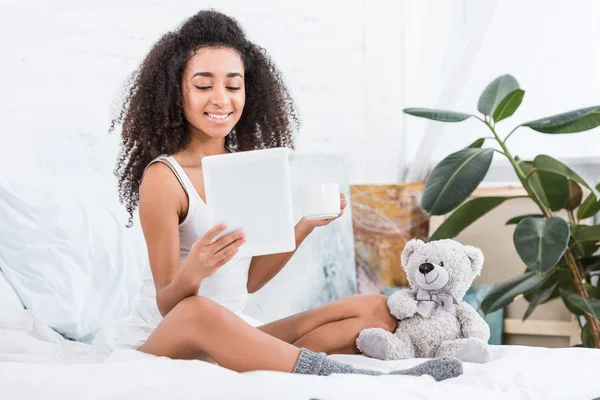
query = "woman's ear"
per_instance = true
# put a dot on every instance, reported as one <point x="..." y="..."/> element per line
<point x="409" y="249"/>
<point x="476" y="257"/>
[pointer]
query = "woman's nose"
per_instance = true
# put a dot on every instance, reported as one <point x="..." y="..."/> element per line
<point x="219" y="97"/>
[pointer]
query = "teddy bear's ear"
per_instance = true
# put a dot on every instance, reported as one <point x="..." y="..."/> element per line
<point x="409" y="249"/>
<point x="476" y="257"/>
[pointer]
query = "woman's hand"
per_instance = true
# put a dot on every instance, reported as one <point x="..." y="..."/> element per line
<point x="322" y="222"/>
<point x="206" y="257"/>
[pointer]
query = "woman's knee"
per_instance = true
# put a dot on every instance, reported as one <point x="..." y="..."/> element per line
<point x="199" y="318"/>
<point x="183" y="333"/>
<point x="198" y="310"/>
<point x="374" y="309"/>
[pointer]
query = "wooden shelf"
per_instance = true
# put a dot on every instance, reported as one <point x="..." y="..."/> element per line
<point x="570" y="329"/>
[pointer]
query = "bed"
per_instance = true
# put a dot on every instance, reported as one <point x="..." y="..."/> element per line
<point x="72" y="267"/>
<point x="38" y="363"/>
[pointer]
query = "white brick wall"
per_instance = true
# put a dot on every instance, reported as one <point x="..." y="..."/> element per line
<point x="63" y="62"/>
<point x="351" y="67"/>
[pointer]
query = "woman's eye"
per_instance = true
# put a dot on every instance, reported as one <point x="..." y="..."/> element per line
<point x="203" y="87"/>
<point x="233" y="88"/>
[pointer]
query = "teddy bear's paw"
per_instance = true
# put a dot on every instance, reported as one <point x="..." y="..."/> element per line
<point x="381" y="344"/>
<point x="402" y="305"/>
<point x="373" y="342"/>
<point x="467" y="350"/>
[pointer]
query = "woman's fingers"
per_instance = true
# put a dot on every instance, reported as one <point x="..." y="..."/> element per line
<point x="225" y="261"/>
<point x="212" y="233"/>
<point x="227" y="240"/>
<point x="229" y="251"/>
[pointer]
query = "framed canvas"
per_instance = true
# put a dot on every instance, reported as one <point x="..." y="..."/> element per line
<point x="384" y="218"/>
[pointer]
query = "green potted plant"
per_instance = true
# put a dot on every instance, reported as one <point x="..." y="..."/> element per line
<point x="559" y="253"/>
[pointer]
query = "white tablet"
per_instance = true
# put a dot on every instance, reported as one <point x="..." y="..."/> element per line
<point x="251" y="190"/>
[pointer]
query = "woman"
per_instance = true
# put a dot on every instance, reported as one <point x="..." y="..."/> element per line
<point x="204" y="89"/>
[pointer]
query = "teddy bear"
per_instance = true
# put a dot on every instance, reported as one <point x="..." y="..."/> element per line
<point x="433" y="320"/>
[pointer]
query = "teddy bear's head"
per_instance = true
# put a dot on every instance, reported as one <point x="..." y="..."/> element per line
<point x="441" y="264"/>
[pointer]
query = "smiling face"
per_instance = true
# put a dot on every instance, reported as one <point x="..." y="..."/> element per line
<point x="213" y="92"/>
<point x="432" y="276"/>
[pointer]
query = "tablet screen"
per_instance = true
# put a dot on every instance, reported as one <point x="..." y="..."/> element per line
<point x="252" y="191"/>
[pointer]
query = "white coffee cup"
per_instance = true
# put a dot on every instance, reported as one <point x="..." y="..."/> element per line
<point x="320" y="201"/>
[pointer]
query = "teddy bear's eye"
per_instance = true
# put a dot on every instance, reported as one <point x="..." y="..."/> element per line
<point x="441" y="263"/>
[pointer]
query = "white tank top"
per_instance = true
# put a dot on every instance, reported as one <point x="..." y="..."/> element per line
<point x="227" y="286"/>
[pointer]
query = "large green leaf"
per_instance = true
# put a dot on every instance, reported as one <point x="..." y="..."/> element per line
<point x="583" y="249"/>
<point x="582" y="305"/>
<point x="591" y="263"/>
<point x="569" y="122"/>
<point x="437" y="115"/>
<point x="465" y="215"/>
<point x="590" y="206"/>
<point x="519" y="218"/>
<point x="535" y="182"/>
<point x="454" y="179"/>
<point x="477" y="144"/>
<point x="541" y="242"/>
<point x="555" y="188"/>
<point x="547" y="163"/>
<point x="495" y="92"/>
<point x="593" y="291"/>
<point x="504" y="293"/>
<point x="548" y="289"/>
<point x="587" y="336"/>
<point x="538" y="297"/>
<point x="575" y="196"/>
<point x="508" y="105"/>
<point x="586" y="233"/>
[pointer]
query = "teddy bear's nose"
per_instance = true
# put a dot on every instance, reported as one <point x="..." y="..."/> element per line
<point x="426" y="268"/>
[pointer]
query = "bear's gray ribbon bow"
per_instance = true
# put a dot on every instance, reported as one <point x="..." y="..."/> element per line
<point x="427" y="301"/>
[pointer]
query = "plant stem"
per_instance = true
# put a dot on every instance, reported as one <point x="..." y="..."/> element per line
<point x="511" y="132"/>
<point x="572" y="264"/>
<point x="581" y="291"/>
<point x="498" y="151"/>
<point x="520" y="174"/>
<point x="571" y="217"/>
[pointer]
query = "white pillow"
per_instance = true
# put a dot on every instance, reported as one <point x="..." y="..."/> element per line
<point x="65" y="250"/>
<point x="9" y="299"/>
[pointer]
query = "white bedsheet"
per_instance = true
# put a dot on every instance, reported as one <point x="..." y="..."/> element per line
<point x="36" y="363"/>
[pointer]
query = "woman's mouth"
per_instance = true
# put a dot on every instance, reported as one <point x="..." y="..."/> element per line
<point x="218" y="118"/>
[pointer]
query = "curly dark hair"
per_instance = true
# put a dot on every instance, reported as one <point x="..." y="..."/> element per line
<point x="151" y="113"/>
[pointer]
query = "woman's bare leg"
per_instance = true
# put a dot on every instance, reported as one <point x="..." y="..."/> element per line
<point x="334" y="327"/>
<point x="197" y="326"/>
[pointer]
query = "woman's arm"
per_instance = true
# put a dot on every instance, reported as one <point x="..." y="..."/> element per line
<point x="162" y="200"/>
<point x="264" y="268"/>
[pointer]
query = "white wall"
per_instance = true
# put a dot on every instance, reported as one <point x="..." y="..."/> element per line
<point x="63" y="63"/>
<point x="551" y="47"/>
<point x="351" y="67"/>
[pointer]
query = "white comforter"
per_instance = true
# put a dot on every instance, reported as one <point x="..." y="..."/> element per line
<point x="36" y="363"/>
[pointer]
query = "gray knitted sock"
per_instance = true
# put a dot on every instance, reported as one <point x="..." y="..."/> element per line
<point x="319" y="364"/>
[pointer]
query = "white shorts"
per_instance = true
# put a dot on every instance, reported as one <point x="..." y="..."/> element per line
<point x="132" y="331"/>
